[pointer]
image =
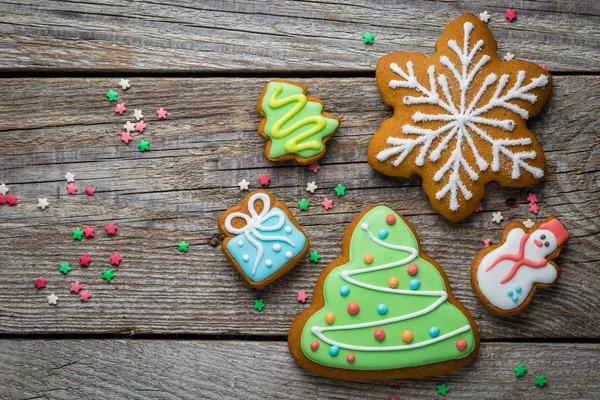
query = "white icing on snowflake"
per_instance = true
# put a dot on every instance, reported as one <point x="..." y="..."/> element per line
<point x="463" y="121"/>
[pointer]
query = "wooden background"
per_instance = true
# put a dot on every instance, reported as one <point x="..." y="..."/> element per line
<point x="175" y="325"/>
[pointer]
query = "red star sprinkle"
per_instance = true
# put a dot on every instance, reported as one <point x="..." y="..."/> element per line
<point x="71" y="188"/>
<point x="2" y="198"/>
<point x="162" y="113"/>
<point x="302" y="296"/>
<point x="89" y="231"/>
<point x="75" y="287"/>
<point x="85" y="260"/>
<point x="40" y="283"/>
<point x="327" y="204"/>
<point x="510" y="14"/>
<point x="126" y="137"/>
<point x="110" y="229"/>
<point x="487" y="242"/>
<point x="84" y="296"/>
<point x="479" y="207"/>
<point x="532" y="198"/>
<point x="314" y="167"/>
<point x="115" y="259"/>
<point x="11" y="200"/>
<point x="90" y="191"/>
<point x="534" y="208"/>
<point x="264" y="179"/>
<point x="120" y="109"/>
<point x="140" y="126"/>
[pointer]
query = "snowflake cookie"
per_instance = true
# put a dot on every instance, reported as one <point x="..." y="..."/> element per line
<point x="460" y="118"/>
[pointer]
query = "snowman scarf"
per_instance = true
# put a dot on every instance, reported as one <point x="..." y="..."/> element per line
<point x="519" y="260"/>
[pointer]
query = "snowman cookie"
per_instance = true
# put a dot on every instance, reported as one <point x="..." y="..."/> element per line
<point x="505" y="276"/>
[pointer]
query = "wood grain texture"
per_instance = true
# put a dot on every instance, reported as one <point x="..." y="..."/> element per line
<point x="159" y="369"/>
<point x="178" y="189"/>
<point x="187" y="35"/>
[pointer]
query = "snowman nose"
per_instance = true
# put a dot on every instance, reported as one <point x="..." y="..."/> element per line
<point x="538" y="243"/>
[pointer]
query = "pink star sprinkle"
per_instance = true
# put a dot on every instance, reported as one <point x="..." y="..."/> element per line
<point x="75" y="287"/>
<point x="71" y="188"/>
<point x="327" y="204"/>
<point x="120" y="109"/>
<point x="89" y="231"/>
<point x="85" y="260"/>
<point x="314" y="167"/>
<point x="140" y="126"/>
<point x="479" y="207"/>
<point x="11" y="200"/>
<point x="115" y="259"/>
<point x="162" y="113"/>
<point x="84" y="296"/>
<point x="264" y="179"/>
<point x="510" y="14"/>
<point x="302" y="296"/>
<point x="126" y="137"/>
<point x="110" y="229"/>
<point x="40" y="283"/>
<point x="534" y="208"/>
<point x="90" y="191"/>
<point x="532" y="198"/>
<point x="487" y="242"/>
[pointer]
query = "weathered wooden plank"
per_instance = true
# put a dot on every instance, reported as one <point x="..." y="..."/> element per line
<point x="187" y="35"/>
<point x="159" y="369"/>
<point x="177" y="190"/>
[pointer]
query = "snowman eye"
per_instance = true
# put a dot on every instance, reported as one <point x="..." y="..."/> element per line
<point x="543" y="237"/>
<point x="547" y="244"/>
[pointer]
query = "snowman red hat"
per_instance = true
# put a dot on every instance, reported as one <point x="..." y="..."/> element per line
<point x="558" y="230"/>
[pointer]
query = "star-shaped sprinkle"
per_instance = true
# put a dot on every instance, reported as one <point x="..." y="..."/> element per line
<point x="264" y="179"/>
<point x="162" y="113"/>
<point x="40" y="283"/>
<point x="311" y="187"/>
<point x="129" y="126"/>
<point x="540" y="380"/>
<point x="243" y="184"/>
<point x="115" y="259"/>
<point x="520" y="370"/>
<point x="107" y="274"/>
<point x="479" y="207"/>
<point x="112" y="95"/>
<point x="43" y="203"/>
<point x="484" y="16"/>
<point x="120" y="108"/>
<point x="71" y="188"/>
<point x="534" y="208"/>
<point x="368" y="37"/>
<point x="340" y="189"/>
<point x="529" y="223"/>
<point x="497" y="217"/>
<point x="11" y="200"/>
<point x="75" y="287"/>
<point x="90" y="191"/>
<point x="314" y="256"/>
<point x="140" y="126"/>
<point x="70" y="177"/>
<point x="89" y="231"/>
<point x="144" y="145"/>
<point x="302" y="296"/>
<point x="442" y="389"/>
<point x="84" y="296"/>
<point x="110" y="229"/>
<point x="126" y="137"/>
<point x="85" y="260"/>
<point x="183" y="246"/>
<point x="510" y="14"/>
<point x="487" y="242"/>
<point x="77" y="233"/>
<point x="508" y="56"/>
<point x="3" y="189"/>
<point x="137" y="114"/>
<point x="259" y="304"/>
<point x="65" y="268"/>
<point x="303" y="204"/>
<point x="52" y="299"/>
<point x="327" y="204"/>
<point x="124" y="83"/>
<point x="532" y="197"/>
<point x="314" y="167"/>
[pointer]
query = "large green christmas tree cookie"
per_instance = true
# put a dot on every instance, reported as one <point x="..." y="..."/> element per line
<point x="383" y="310"/>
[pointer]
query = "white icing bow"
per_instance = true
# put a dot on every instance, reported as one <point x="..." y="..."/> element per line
<point x="254" y="224"/>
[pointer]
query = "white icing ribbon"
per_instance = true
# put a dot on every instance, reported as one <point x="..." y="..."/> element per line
<point x="254" y="225"/>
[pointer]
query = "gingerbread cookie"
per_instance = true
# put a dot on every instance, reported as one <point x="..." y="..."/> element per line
<point x="294" y="124"/>
<point x="383" y="309"/>
<point x="505" y="276"/>
<point x="460" y="118"/>
<point x="263" y="240"/>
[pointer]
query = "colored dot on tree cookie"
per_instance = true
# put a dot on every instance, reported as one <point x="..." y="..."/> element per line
<point x="393" y="282"/>
<point x="379" y="334"/>
<point x="414" y="284"/>
<point x="390" y="219"/>
<point x="382" y="308"/>
<point x="407" y="336"/>
<point x="461" y="344"/>
<point x="314" y="345"/>
<point x="329" y="318"/>
<point x="434" y="331"/>
<point x="368" y="258"/>
<point x="383" y="233"/>
<point x="344" y="290"/>
<point x="412" y="269"/>
<point x="333" y="351"/>
<point x="350" y="358"/>
<point x="353" y="308"/>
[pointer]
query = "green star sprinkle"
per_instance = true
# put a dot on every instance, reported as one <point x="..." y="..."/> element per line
<point x="144" y="145"/>
<point x="183" y="246"/>
<point x="303" y="204"/>
<point x="77" y="233"/>
<point x="442" y="389"/>
<point x="368" y="37"/>
<point x="314" y="256"/>
<point x="520" y="370"/>
<point x="107" y="275"/>
<point x="64" y="268"/>
<point x="340" y="189"/>
<point x="540" y="380"/>
<point x="112" y="95"/>
<point x="259" y="304"/>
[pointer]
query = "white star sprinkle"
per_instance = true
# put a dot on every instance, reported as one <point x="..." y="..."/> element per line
<point x="484" y="16"/>
<point x="508" y="56"/>
<point x="70" y="177"/>
<point x="243" y="184"/>
<point x="124" y="83"/>
<point x="311" y="187"/>
<point x="43" y="203"/>
<point x="137" y="114"/>
<point x="52" y="299"/>
<point x="497" y="217"/>
<point x="129" y="126"/>
<point x="529" y="223"/>
<point x="3" y="189"/>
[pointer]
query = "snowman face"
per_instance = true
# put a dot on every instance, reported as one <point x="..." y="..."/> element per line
<point x="541" y="243"/>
